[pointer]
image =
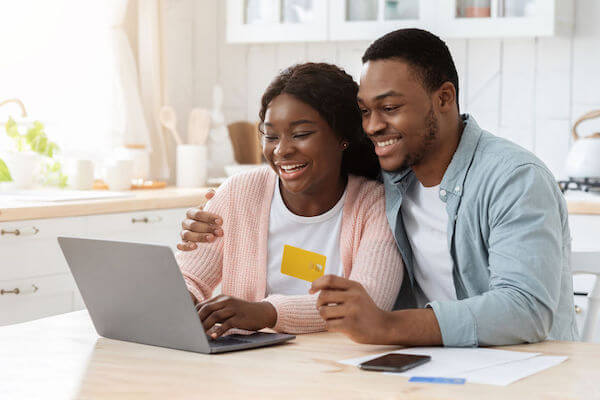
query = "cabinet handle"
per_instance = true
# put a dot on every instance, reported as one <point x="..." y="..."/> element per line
<point x="18" y="232"/>
<point x="33" y="289"/>
<point x="146" y="220"/>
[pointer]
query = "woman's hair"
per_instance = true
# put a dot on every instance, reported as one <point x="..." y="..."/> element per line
<point x="332" y="92"/>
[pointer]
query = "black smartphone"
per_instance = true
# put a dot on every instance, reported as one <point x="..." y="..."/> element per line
<point x="395" y="362"/>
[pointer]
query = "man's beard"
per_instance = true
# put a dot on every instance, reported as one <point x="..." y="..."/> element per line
<point x="431" y="130"/>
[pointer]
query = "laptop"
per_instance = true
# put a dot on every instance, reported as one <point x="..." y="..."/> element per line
<point x="135" y="292"/>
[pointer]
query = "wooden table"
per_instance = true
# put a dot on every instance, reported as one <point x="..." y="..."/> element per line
<point x="62" y="357"/>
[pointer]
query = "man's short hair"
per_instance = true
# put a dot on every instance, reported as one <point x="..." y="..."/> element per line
<point x="425" y="52"/>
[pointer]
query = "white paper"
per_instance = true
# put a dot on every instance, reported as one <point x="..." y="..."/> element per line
<point x="449" y="362"/>
<point x="476" y="365"/>
<point x="508" y="373"/>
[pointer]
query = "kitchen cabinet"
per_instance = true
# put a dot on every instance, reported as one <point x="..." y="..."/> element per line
<point x="504" y="18"/>
<point x="370" y="19"/>
<point x="251" y="21"/>
<point x="35" y="280"/>
<point x="276" y="20"/>
<point x="585" y="231"/>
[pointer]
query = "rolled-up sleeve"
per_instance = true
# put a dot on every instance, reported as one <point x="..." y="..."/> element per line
<point x="524" y="256"/>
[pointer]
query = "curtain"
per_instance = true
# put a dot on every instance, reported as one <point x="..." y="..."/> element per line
<point x="151" y="81"/>
<point x="127" y="105"/>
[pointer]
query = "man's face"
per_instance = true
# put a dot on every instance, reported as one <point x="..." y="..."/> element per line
<point x="397" y="113"/>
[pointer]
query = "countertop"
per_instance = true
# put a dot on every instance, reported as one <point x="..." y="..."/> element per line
<point x="137" y="200"/>
<point x="583" y="203"/>
<point x="62" y="357"/>
<point x="172" y="197"/>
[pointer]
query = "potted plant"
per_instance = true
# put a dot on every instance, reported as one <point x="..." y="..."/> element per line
<point x="31" y="150"/>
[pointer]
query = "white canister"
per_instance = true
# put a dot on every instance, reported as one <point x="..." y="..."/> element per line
<point x="81" y="174"/>
<point x="118" y="174"/>
<point x="191" y="165"/>
<point x="23" y="167"/>
<point x="140" y="156"/>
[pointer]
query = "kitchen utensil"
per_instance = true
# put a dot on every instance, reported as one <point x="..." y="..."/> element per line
<point x="191" y="165"/>
<point x="81" y="176"/>
<point x="23" y="167"/>
<point x="198" y="126"/>
<point x="168" y="119"/>
<point x="245" y="141"/>
<point x="118" y="174"/>
<point x="583" y="160"/>
<point x="140" y="156"/>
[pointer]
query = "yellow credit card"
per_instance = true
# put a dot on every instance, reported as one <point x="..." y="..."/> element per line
<point x="302" y="264"/>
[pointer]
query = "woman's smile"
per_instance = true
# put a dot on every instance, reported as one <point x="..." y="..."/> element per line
<point x="291" y="171"/>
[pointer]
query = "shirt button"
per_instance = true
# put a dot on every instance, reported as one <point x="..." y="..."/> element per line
<point x="457" y="189"/>
<point x="443" y="193"/>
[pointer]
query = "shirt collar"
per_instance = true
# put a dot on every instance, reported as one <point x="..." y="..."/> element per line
<point x="456" y="172"/>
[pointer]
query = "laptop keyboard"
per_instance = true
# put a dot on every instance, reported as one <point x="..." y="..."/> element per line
<point x="225" y="341"/>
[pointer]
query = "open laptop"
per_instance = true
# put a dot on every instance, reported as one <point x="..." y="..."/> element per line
<point x="135" y="292"/>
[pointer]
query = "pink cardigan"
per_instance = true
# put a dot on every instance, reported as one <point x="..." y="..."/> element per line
<point x="239" y="260"/>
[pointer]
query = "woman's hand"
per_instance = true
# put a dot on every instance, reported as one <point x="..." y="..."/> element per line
<point x="231" y="312"/>
<point x="200" y="226"/>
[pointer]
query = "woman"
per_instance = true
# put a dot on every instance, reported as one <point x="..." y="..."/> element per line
<point x="318" y="198"/>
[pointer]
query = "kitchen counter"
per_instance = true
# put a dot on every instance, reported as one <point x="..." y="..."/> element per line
<point x="583" y="203"/>
<point x="172" y="197"/>
<point x="138" y="200"/>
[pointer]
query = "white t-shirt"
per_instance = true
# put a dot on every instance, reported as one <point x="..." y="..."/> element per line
<point x="319" y="234"/>
<point x="426" y="223"/>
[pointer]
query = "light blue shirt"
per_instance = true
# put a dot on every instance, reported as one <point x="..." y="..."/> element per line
<point x="509" y="240"/>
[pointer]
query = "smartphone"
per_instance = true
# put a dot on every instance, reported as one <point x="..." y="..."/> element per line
<point x="395" y="362"/>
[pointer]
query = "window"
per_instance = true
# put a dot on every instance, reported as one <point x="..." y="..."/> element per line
<point x="58" y="58"/>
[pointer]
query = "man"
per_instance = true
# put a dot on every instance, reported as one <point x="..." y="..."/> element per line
<point x="479" y="221"/>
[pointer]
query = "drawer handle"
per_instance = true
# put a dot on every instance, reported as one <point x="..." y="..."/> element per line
<point x="146" y="220"/>
<point x="18" y="232"/>
<point x="18" y="291"/>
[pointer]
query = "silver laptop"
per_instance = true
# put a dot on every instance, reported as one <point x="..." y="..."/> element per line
<point x="135" y="292"/>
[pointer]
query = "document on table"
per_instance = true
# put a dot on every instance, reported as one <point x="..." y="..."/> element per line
<point x="477" y="365"/>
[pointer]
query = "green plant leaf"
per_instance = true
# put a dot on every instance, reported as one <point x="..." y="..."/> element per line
<point x="11" y="128"/>
<point x="4" y="172"/>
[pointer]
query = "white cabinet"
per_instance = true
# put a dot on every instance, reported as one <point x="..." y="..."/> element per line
<point x="318" y="20"/>
<point x="276" y="20"/>
<point x="585" y="231"/>
<point x="504" y="18"/>
<point x="34" y="277"/>
<point x="370" y="19"/>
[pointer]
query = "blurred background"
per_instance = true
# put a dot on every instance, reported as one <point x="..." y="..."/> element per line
<point x="133" y="94"/>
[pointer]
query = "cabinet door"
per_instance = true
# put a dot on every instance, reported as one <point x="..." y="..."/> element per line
<point x="504" y="18"/>
<point x="37" y="297"/>
<point x="370" y="19"/>
<point x="156" y="226"/>
<point x="276" y="20"/>
<point x="29" y="248"/>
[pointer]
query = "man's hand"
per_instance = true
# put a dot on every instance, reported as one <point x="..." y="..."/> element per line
<point x="200" y="226"/>
<point x="231" y="312"/>
<point x="346" y="307"/>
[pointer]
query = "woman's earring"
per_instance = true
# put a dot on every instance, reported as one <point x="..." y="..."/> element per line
<point x="345" y="145"/>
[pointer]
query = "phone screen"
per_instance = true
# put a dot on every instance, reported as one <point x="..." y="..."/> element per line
<point x="395" y="362"/>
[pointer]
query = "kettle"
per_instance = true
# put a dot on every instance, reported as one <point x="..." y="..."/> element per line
<point x="583" y="160"/>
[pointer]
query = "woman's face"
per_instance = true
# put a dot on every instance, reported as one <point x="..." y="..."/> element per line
<point x="300" y="146"/>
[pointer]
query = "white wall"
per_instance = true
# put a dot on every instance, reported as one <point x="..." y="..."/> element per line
<point x="527" y="90"/>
